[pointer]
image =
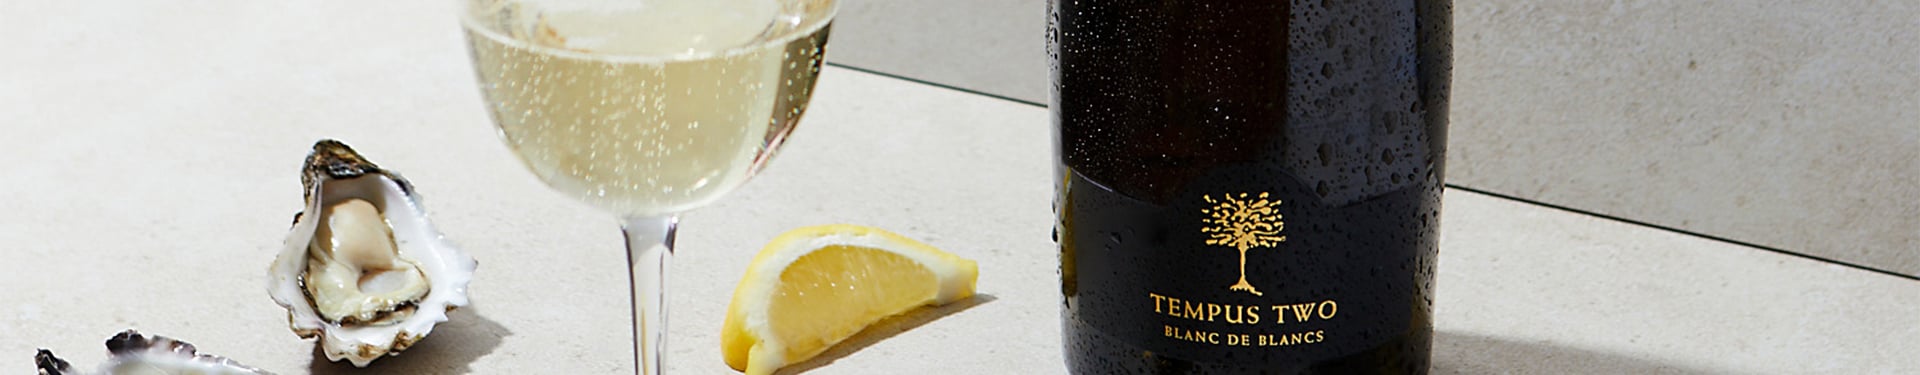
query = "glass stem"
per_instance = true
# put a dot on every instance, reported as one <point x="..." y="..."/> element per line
<point x="649" y="244"/>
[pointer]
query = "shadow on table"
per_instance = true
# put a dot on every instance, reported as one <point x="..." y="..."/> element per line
<point x="1466" y="353"/>
<point x="882" y="330"/>
<point x="451" y="346"/>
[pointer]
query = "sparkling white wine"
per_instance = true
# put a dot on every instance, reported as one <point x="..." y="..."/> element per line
<point x="1248" y="187"/>
<point x="646" y="107"/>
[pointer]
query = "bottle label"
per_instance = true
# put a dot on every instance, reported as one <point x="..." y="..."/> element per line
<point x="1246" y="264"/>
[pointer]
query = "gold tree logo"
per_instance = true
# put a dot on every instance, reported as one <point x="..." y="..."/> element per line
<point x="1243" y="223"/>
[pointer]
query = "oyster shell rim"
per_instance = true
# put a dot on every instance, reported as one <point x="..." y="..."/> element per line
<point x="131" y="345"/>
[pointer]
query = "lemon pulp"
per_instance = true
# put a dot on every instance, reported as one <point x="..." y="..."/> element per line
<point x="812" y="287"/>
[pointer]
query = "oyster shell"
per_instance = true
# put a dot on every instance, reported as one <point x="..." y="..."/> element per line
<point x="363" y="270"/>
<point x="134" y="353"/>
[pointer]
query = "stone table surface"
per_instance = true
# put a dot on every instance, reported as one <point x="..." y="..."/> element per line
<point x="152" y="159"/>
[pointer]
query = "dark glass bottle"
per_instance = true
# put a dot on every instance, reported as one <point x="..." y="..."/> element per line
<point x="1248" y="186"/>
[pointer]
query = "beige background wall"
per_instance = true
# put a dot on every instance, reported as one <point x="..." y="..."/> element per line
<point x="1788" y="124"/>
<point x="992" y="46"/>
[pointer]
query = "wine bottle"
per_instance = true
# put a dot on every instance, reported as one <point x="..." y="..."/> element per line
<point x="1248" y="186"/>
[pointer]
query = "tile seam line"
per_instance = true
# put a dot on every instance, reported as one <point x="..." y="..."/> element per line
<point x="934" y="84"/>
<point x="1465" y="188"/>
<point x="1685" y="232"/>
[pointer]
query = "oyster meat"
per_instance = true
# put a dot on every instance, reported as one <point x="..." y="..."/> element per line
<point x="134" y="353"/>
<point x="363" y="270"/>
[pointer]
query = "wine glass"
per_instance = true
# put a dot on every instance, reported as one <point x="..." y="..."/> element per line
<point x="646" y="108"/>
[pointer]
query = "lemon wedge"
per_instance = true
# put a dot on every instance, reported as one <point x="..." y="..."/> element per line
<point x="815" y="286"/>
